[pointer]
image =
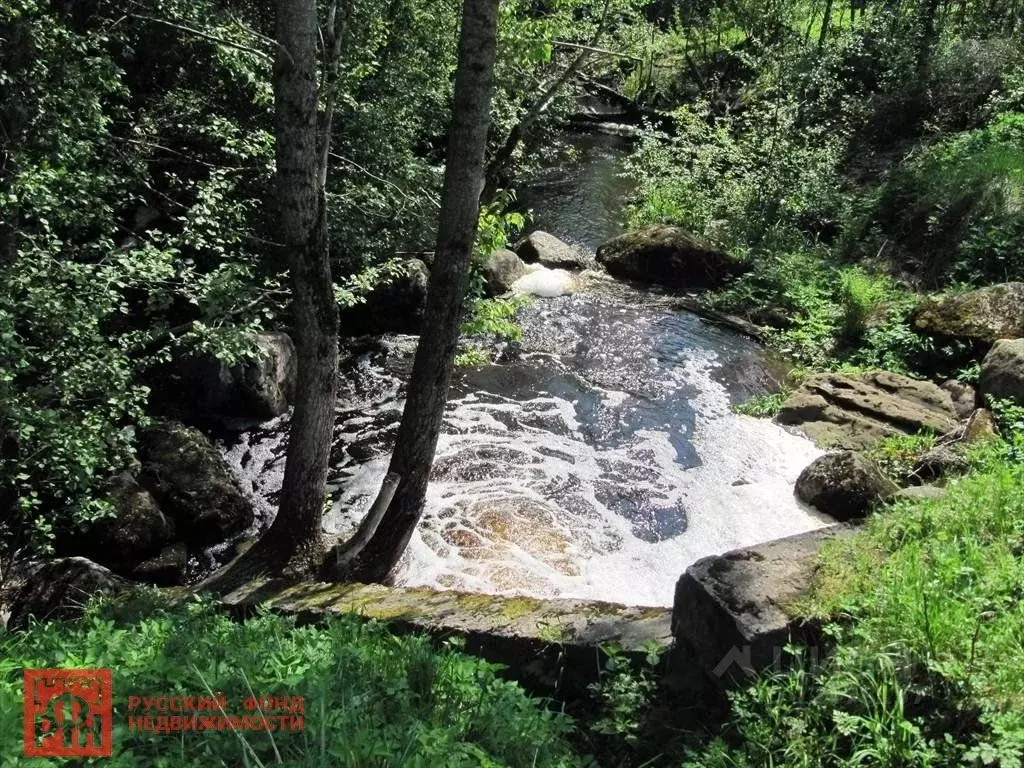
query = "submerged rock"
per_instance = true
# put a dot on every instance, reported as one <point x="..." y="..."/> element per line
<point x="844" y="485"/>
<point x="547" y="250"/>
<point x="668" y="256"/>
<point x="984" y="315"/>
<point x="501" y="270"/>
<point x="854" y="411"/>
<point x="1002" y="370"/>
<point x="189" y="478"/>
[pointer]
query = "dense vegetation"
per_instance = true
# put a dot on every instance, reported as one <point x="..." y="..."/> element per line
<point x="369" y="697"/>
<point x="856" y="156"/>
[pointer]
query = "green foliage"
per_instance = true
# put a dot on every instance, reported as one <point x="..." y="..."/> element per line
<point x="763" y="406"/>
<point x="958" y="207"/>
<point x="929" y="664"/>
<point x="898" y="455"/>
<point x="370" y="697"/>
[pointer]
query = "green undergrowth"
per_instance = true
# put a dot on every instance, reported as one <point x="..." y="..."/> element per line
<point x="370" y="698"/>
<point x="924" y="608"/>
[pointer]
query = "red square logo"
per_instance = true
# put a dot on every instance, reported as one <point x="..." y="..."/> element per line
<point x="68" y="712"/>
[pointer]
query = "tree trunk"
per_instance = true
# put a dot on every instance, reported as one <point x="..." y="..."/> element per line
<point x="303" y="220"/>
<point x="435" y="356"/>
<point x="294" y="544"/>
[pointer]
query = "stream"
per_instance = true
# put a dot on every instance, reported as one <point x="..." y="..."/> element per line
<point x="598" y="463"/>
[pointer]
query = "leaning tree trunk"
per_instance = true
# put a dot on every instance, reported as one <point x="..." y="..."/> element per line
<point x="435" y="355"/>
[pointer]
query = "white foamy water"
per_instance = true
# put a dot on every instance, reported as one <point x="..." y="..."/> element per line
<point x="599" y="465"/>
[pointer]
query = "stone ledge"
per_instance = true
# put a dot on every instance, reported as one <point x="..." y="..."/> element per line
<point x="548" y="645"/>
<point x="730" y="611"/>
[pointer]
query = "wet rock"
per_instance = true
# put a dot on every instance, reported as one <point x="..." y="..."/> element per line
<point x="396" y="306"/>
<point x="939" y="462"/>
<point x="59" y="589"/>
<point x="1002" y="370"/>
<point x="545" y="283"/>
<point x="166" y="569"/>
<point x="547" y="250"/>
<point x="731" y="610"/>
<point x="984" y="315"/>
<point x="190" y="480"/>
<point x="260" y="388"/>
<point x="501" y="270"/>
<point x="668" y="256"/>
<point x="855" y="411"/>
<point x="964" y="397"/>
<point x="845" y="485"/>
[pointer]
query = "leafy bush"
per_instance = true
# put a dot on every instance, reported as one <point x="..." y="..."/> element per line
<point x="957" y="209"/>
<point x="898" y="455"/>
<point x="371" y="698"/>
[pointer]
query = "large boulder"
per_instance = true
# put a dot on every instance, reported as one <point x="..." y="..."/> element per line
<point x="1002" y="370"/>
<point x="844" y="485"/>
<point x="731" y="613"/>
<point x="258" y="388"/>
<point x="984" y="315"/>
<point x="964" y="397"/>
<point x="138" y="530"/>
<point x="59" y="589"/>
<point x="542" y="248"/>
<point x="189" y="479"/>
<point x="501" y="270"/>
<point x="854" y="411"/>
<point x="668" y="256"/>
<point x="395" y="306"/>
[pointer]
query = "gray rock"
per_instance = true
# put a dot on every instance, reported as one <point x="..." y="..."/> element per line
<point x="855" y="411"/>
<point x="964" y="397"/>
<point x="138" y="531"/>
<point x="984" y="315"/>
<point x="501" y="270"/>
<point x="189" y="479"/>
<point x="396" y="306"/>
<point x="165" y="569"/>
<point x="731" y="611"/>
<point x="980" y="426"/>
<point x="668" y="256"/>
<point x="844" y="485"/>
<point x="1002" y="370"/>
<point x="542" y="248"/>
<point x="59" y="589"/>
<point x="921" y="492"/>
<point x="259" y="388"/>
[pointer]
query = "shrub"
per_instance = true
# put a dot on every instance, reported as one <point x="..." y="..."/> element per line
<point x="957" y="209"/>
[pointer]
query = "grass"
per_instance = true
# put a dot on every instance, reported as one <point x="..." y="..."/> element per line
<point x="371" y="698"/>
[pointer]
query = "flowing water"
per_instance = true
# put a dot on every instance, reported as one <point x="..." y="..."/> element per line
<point x="598" y="463"/>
